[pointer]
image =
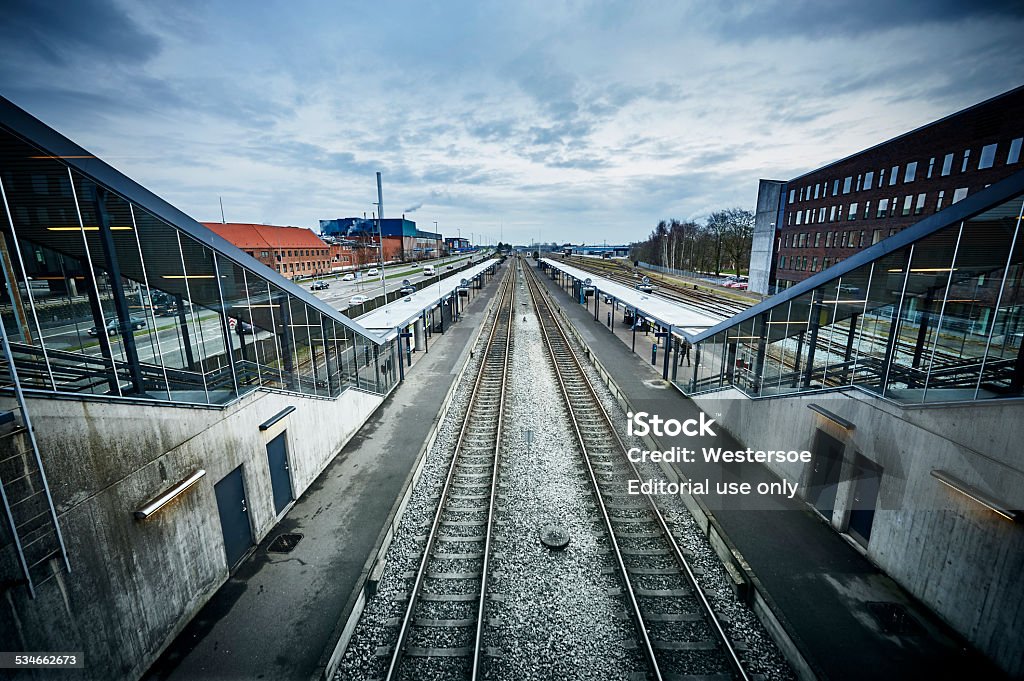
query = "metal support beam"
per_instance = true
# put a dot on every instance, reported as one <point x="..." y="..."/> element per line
<point x="117" y="289"/>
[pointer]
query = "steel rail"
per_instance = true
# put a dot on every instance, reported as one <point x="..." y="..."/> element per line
<point x="730" y="652"/>
<point x="505" y="300"/>
<point x="648" y="648"/>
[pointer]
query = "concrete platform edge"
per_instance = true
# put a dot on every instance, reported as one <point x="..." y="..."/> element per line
<point x="757" y="597"/>
<point x="377" y="560"/>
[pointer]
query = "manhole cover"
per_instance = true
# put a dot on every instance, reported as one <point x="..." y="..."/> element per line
<point x="284" y="543"/>
<point x="554" y="537"/>
<point x="894" y="618"/>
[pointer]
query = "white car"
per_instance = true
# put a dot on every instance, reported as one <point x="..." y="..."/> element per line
<point x="358" y="299"/>
<point x="373" y="272"/>
<point x="349" y="277"/>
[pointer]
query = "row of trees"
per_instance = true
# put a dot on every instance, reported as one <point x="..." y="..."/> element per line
<point x="721" y="243"/>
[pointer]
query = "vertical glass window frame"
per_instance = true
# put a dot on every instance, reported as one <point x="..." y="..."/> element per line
<point x="910" y="172"/>
<point x="101" y="324"/>
<point x="28" y="284"/>
<point x="1014" y="154"/>
<point x="999" y="299"/>
<point x="155" y="335"/>
<point x="196" y="329"/>
<point x="257" y="350"/>
<point x="862" y="323"/>
<point x="987" y="157"/>
<point x="942" y="313"/>
<point x="947" y="164"/>
<point x="228" y="338"/>
<point x="966" y="161"/>
<point x="897" y="319"/>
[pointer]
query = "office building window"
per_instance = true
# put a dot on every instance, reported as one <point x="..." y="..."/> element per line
<point x="931" y="167"/>
<point x="876" y="236"/>
<point x="782" y="262"/>
<point x="883" y="208"/>
<point x="860" y="181"/>
<point x="821" y="214"/>
<point x="938" y="202"/>
<point x="894" y="174"/>
<point x="801" y="193"/>
<point x="832" y="214"/>
<point x="824" y="264"/>
<point x="1014" y="154"/>
<point x="919" y="206"/>
<point x="835" y="188"/>
<point x="817" y="189"/>
<point x="787" y="241"/>
<point x="792" y="195"/>
<point x="907" y="201"/>
<point x="867" y="210"/>
<point x="847" y="183"/>
<point x="947" y="165"/>
<point x="828" y="239"/>
<point x="910" y="172"/>
<point x="817" y="239"/>
<point x="852" y="215"/>
<point x="967" y="159"/>
<point x="868" y="179"/>
<point x="804" y="263"/>
<point x="846" y="237"/>
<point x="799" y="217"/>
<point x="803" y="239"/>
<point x="960" y="194"/>
<point x="988" y="156"/>
<point x="881" y="177"/>
<point x="814" y="264"/>
<point x="860" y="244"/>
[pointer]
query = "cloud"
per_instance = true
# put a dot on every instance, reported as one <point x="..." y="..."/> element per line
<point x="576" y="121"/>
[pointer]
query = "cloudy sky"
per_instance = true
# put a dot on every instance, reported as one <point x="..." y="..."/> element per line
<point x="550" y="120"/>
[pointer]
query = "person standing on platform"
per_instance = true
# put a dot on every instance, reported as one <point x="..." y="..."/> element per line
<point x="685" y="353"/>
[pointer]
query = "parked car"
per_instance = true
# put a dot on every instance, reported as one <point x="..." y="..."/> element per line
<point x="319" y="286"/>
<point x="450" y="267"/>
<point x="645" y="288"/>
<point x="373" y="272"/>
<point x="740" y="285"/>
<point x="407" y="290"/>
<point x="113" y="326"/>
<point x="358" y="299"/>
<point x="349" y="277"/>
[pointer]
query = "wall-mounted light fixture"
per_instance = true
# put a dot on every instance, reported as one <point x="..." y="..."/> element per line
<point x="834" y="418"/>
<point x="977" y="495"/>
<point x="168" y="496"/>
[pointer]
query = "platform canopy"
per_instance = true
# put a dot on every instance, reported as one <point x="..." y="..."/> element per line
<point x="404" y="311"/>
<point x="679" y="316"/>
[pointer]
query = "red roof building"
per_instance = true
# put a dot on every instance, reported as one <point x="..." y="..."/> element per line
<point x="293" y="252"/>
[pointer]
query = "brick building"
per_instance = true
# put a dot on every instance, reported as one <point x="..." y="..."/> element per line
<point x="820" y="218"/>
<point x="403" y="242"/>
<point x="293" y="252"/>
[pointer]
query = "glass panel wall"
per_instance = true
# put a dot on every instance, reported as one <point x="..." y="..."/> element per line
<point x="100" y="296"/>
<point x="938" y="320"/>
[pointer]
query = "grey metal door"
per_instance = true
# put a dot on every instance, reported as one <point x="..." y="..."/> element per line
<point x="280" y="478"/>
<point x="826" y="462"/>
<point x="234" y="516"/>
<point x="868" y="475"/>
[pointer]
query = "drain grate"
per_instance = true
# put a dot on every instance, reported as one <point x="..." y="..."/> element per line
<point x="284" y="543"/>
<point x="894" y="619"/>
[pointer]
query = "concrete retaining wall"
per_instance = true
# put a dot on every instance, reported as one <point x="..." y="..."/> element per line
<point x="135" y="584"/>
<point x="960" y="559"/>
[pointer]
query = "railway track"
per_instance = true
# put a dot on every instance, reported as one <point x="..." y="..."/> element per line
<point x="677" y="628"/>
<point x="440" y="633"/>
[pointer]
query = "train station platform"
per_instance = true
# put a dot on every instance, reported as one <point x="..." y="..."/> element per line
<point x="845" y="619"/>
<point x="280" y="614"/>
